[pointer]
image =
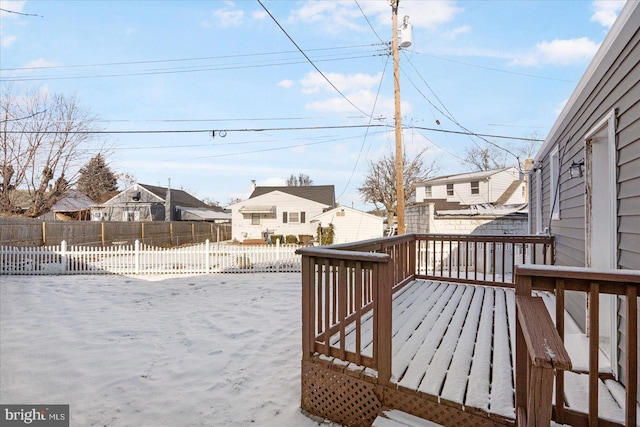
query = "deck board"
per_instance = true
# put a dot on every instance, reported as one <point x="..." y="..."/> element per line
<point x="456" y="342"/>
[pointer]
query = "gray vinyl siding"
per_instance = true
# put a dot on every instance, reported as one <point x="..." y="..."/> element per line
<point x="612" y="84"/>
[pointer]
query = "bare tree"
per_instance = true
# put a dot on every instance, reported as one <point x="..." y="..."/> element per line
<point x="485" y="158"/>
<point x="379" y="186"/>
<point x="301" y="180"/>
<point x="492" y="156"/>
<point x="44" y="140"/>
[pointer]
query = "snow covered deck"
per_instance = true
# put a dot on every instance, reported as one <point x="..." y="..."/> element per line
<point x="379" y="333"/>
<point x="456" y="344"/>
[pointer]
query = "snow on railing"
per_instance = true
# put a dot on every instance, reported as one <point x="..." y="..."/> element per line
<point x="144" y="259"/>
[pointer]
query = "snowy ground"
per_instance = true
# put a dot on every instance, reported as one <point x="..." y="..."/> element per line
<point x="209" y="350"/>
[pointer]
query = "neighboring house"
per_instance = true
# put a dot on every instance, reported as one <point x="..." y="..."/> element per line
<point x="594" y="211"/>
<point x="282" y="211"/>
<point x="487" y="202"/>
<point x="350" y="225"/>
<point x="72" y="206"/>
<point x="142" y="202"/>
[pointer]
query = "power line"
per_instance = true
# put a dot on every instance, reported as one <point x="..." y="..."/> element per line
<point x="450" y="117"/>
<point x="155" y="61"/>
<point x="309" y="60"/>
<point x="364" y="139"/>
<point x="369" y="22"/>
<point x="498" y="70"/>
<point x="178" y="71"/>
<point x="20" y="13"/>
<point x="221" y="132"/>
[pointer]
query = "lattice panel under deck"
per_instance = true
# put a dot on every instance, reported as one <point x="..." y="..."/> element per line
<point x="338" y="397"/>
<point x="342" y="398"/>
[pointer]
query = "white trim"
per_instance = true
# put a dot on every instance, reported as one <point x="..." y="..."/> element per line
<point x="539" y="223"/>
<point x="554" y="179"/>
<point x="602" y="138"/>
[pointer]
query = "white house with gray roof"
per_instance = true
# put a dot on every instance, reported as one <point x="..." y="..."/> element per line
<point x="283" y="211"/>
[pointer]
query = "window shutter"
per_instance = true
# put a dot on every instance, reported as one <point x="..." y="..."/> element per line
<point x="284" y="217"/>
<point x="302" y="217"/>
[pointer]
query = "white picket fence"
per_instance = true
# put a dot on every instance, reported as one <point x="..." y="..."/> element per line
<point x="142" y="259"/>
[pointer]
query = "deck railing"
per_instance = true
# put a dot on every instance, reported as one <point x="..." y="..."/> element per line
<point x="593" y="284"/>
<point x="344" y="283"/>
<point x="479" y="259"/>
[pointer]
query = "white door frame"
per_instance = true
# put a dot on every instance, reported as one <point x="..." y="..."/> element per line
<point x="601" y="187"/>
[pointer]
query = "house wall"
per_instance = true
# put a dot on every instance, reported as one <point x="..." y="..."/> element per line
<point x="418" y="217"/>
<point x="351" y="225"/>
<point x="480" y="225"/>
<point x="273" y="223"/>
<point x="610" y="83"/>
<point x="490" y="190"/>
<point x="148" y="207"/>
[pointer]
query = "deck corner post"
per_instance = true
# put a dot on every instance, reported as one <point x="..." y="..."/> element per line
<point x="384" y="324"/>
<point x="307" y="320"/>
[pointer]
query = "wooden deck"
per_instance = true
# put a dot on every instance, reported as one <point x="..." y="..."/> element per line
<point x="446" y="328"/>
<point x="455" y="343"/>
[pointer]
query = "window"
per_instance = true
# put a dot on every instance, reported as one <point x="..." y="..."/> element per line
<point x="295" y="217"/>
<point x="427" y="191"/>
<point x="131" y="216"/>
<point x="475" y="187"/>
<point x="449" y="189"/>
<point x="255" y="219"/>
<point x="554" y="191"/>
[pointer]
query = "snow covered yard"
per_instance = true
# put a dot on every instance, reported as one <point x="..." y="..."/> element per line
<point x="207" y="350"/>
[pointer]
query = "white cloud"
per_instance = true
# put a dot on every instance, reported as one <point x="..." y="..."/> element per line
<point x="558" y="52"/>
<point x="344" y="15"/>
<point x="38" y="63"/>
<point x="606" y="11"/>
<point x="259" y="15"/>
<point x="286" y="83"/>
<point x="360" y="89"/>
<point x="7" y="40"/>
<point x="313" y="82"/>
<point x="227" y="16"/>
<point x="452" y="34"/>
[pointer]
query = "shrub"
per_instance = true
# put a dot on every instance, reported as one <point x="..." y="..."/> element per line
<point x="291" y="239"/>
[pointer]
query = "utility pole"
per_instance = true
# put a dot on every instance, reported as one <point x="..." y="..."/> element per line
<point x="398" y="120"/>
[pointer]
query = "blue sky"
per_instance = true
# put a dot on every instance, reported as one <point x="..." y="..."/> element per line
<point x="491" y="67"/>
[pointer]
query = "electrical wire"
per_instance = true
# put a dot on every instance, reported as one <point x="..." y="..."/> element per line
<point x="450" y="117"/>
<point x="175" y="71"/>
<point x="310" y="61"/>
<point x="364" y="139"/>
<point x="155" y="61"/>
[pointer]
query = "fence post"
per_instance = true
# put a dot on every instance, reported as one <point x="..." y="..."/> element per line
<point x="207" y="250"/>
<point x="137" y="256"/>
<point x="63" y="255"/>
<point x="277" y="255"/>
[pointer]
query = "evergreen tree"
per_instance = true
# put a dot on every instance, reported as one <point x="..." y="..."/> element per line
<point x="97" y="180"/>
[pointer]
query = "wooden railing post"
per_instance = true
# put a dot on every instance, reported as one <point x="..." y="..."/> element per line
<point x="384" y="316"/>
<point x="308" y="271"/>
<point x="544" y="353"/>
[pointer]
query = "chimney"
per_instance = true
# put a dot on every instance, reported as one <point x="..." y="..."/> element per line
<point x="528" y="165"/>
<point x="168" y="205"/>
<point x="253" y="185"/>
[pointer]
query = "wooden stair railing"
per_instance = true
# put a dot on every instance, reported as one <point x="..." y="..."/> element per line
<point x="539" y="353"/>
